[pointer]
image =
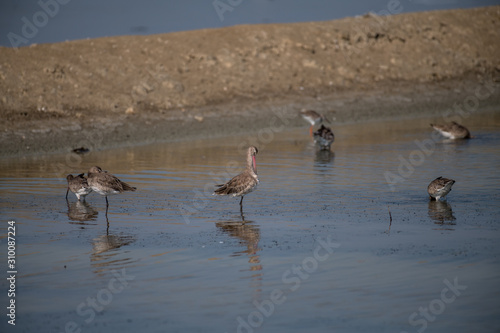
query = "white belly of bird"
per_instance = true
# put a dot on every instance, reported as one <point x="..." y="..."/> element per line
<point x="443" y="191"/>
<point x="108" y="192"/>
<point x="446" y="134"/>
<point x="83" y="191"/>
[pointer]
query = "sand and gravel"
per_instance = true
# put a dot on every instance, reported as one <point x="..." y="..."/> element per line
<point x="117" y="91"/>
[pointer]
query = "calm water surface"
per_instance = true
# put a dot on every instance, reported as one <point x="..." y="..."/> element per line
<point x="317" y="250"/>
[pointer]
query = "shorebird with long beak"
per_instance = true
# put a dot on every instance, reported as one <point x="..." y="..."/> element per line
<point x="78" y="185"/>
<point x="313" y="118"/>
<point x="243" y="183"/>
<point x="452" y="131"/>
<point x="324" y="137"/>
<point x="439" y="188"/>
<point x="106" y="184"/>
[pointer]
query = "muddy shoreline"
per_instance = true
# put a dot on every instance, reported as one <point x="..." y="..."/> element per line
<point x="444" y="101"/>
<point x="120" y="91"/>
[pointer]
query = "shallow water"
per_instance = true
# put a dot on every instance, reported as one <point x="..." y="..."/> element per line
<point x="317" y="251"/>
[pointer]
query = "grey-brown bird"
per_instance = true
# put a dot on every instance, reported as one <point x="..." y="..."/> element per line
<point x="439" y="188"/>
<point x="243" y="183"/>
<point x="452" y="131"/>
<point x="78" y="185"/>
<point x="106" y="184"/>
<point x="313" y="118"/>
<point x="324" y="137"/>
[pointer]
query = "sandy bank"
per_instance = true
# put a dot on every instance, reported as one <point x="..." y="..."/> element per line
<point x="138" y="89"/>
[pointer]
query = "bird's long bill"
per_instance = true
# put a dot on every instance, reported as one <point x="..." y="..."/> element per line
<point x="254" y="163"/>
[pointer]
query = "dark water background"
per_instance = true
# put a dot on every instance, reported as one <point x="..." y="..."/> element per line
<point x="68" y="20"/>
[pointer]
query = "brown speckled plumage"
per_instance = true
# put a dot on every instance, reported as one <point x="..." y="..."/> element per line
<point x="452" y="130"/>
<point x="105" y="183"/>
<point x="78" y="185"/>
<point x="324" y="137"/>
<point x="439" y="188"/>
<point x="243" y="183"/>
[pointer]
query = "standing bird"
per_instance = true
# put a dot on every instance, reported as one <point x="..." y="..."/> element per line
<point x="439" y="188"/>
<point x="78" y="185"/>
<point x="313" y="118"/>
<point x="243" y="183"/>
<point x="452" y="131"/>
<point x="106" y="184"/>
<point x="324" y="137"/>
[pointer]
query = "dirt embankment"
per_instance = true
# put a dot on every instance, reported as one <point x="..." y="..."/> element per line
<point x="136" y="89"/>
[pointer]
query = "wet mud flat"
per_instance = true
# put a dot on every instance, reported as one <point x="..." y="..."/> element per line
<point x="94" y="130"/>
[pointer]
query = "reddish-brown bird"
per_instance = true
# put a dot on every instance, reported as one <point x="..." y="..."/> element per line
<point x="243" y="183"/>
<point x="313" y="118"/>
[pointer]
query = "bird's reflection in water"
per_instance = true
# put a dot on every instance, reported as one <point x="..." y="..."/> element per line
<point x="452" y="147"/>
<point x="441" y="213"/>
<point x="104" y="254"/>
<point x="453" y="143"/>
<point x="81" y="212"/>
<point x="249" y="235"/>
<point x="323" y="156"/>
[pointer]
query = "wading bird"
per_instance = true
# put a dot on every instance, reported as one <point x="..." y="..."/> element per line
<point x="313" y="118"/>
<point x="324" y="137"/>
<point x="243" y="183"/>
<point x="452" y="131"/>
<point x="439" y="188"/>
<point x="106" y="184"/>
<point x="78" y="185"/>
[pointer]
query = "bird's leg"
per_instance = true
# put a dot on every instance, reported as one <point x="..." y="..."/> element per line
<point x="311" y="131"/>
<point x="107" y="206"/>
<point x="241" y="204"/>
<point x="107" y="224"/>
